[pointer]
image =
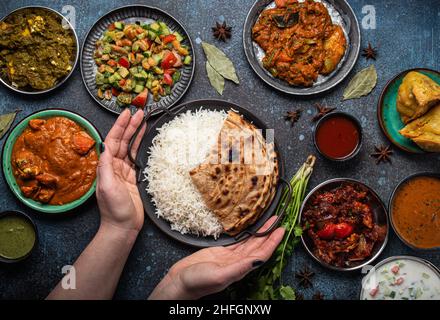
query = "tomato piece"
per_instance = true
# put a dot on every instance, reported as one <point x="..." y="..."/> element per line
<point x="170" y="71"/>
<point x="111" y="27"/>
<point x="343" y="230"/>
<point x="168" y="61"/>
<point x="123" y="61"/>
<point x="115" y="92"/>
<point x="167" y="79"/>
<point x="112" y="63"/>
<point x="328" y="232"/>
<point x="141" y="99"/>
<point x="122" y="82"/>
<point x="169" y="38"/>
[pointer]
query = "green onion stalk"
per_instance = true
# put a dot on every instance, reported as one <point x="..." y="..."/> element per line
<point x="266" y="283"/>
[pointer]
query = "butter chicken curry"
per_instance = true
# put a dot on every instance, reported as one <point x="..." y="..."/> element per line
<point x="54" y="161"/>
<point x="300" y="41"/>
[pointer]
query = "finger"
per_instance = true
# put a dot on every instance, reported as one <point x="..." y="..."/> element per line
<point x="138" y="140"/>
<point x="238" y="270"/>
<point x="105" y="171"/>
<point x="264" y="252"/>
<point x="114" y="137"/>
<point x="134" y="123"/>
<point x="254" y="242"/>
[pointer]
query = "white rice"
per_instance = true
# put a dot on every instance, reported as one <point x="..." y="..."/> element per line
<point x="181" y="145"/>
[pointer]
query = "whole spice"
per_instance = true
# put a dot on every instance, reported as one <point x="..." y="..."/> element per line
<point x="382" y="154"/>
<point x="321" y="111"/>
<point x="318" y="296"/>
<point x="266" y="282"/>
<point x="305" y="277"/>
<point x="6" y="121"/>
<point x="220" y="62"/>
<point x="221" y="31"/>
<point x="361" y="84"/>
<point x="369" y="52"/>
<point x="215" y="78"/>
<point x="293" y="116"/>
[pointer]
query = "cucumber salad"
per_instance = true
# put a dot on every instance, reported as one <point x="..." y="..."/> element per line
<point x="135" y="59"/>
<point x="402" y="278"/>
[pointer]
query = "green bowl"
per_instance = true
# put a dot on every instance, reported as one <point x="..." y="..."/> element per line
<point x="7" y="152"/>
<point x="389" y="117"/>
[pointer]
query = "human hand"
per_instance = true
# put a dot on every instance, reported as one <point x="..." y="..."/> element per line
<point x="118" y="197"/>
<point x="211" y="270"/>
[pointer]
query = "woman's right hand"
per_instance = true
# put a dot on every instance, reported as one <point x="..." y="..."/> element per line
<point x="211" y="270"/>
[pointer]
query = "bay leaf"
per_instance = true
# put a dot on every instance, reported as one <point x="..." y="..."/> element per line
<point x="6" y="121"/>
<point x="361" y="84"/>
<point x="220" y="62"/>
<point x="215" y="78"/>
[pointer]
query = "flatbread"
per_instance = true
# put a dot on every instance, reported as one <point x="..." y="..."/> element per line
<point x="238" y="179"/>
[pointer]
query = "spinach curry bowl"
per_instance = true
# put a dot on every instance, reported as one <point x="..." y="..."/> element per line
<point x="50" y="160"/>
<point x="38" y="50"/>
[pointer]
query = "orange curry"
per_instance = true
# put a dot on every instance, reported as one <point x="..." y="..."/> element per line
<point x="416" y="212"/>
<point x="54" y="161"/>
<point x="300" y="41"/>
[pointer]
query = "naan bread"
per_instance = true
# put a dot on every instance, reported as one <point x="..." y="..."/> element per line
<point x="425" y="131"/>
<point x="238" y="179"/>
<point x="417" y="94"/>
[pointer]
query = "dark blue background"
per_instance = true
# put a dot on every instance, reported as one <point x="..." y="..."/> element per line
<point x="407" y="36"/>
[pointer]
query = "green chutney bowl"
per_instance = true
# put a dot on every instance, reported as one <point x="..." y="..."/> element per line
<point x="389" y="117"/>
<point x="7" y="153"/>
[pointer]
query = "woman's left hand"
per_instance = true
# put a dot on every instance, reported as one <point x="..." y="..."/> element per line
<point x="118" y="197"/>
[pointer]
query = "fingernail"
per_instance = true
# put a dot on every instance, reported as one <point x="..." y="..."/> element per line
<point x="102" y="147"/>
<point x="257" y="263"/>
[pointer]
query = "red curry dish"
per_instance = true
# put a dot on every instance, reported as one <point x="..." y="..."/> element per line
<point x="300" y="41"/>
<point x="340" y="223"/>
<point x="54" y="161"/>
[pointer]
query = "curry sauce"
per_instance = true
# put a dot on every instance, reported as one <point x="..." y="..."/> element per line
<point x="300" y="41"/>
<point x="54" y="161"/>
<point x="416" y="212"/>
<point x="36" y="51"/>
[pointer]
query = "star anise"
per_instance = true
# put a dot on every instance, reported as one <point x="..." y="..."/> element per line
<point x="370" y="52"/>
<point x="382" y="154"/>
<point x="318" y="296"/>
<point x="305" y="277"/>
<point x="293" y="116"/>
<point x="321" y="111"/>
<point x="221" y="31"/>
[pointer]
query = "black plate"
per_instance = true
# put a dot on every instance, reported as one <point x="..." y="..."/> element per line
<point x="380" y="217"/>
<point x="351" y="29"/>
<point x="132" y="14"/>
<point x="150" y="209"/>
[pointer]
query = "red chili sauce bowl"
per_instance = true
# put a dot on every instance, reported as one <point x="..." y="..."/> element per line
<point x="338" y="136"/>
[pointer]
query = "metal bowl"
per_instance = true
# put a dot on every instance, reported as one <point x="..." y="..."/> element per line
<point x="7" y="83"/>
<point x="29" y="219"/>
<point x="343" y="114"/>
<point x="390" y="208"/>
<point x="339" y="10"/>
<point x="189" y="239"/>
<point x="133" y="13"/>
<point x="394" y="258"/>
<point x="379" y="214"/>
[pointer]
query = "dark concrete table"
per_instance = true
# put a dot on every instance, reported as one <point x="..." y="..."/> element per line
<point x="407" y="36"/>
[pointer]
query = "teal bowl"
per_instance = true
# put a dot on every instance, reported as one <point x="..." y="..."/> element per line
<point x="7" y="153"/>
<point x="389" y="117"/>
